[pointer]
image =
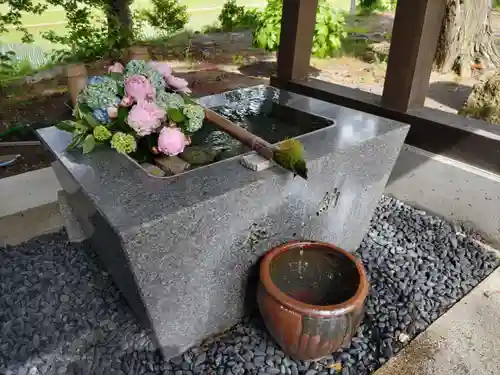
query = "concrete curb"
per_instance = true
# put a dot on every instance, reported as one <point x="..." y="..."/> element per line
<point x="462" y="341"/>
<point x="27" y="191"/>
<point x="29" y="206"/>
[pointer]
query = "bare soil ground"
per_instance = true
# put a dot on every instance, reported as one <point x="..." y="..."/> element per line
<point x="220" y="62"/>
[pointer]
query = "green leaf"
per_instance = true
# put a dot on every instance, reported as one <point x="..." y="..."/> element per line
<point x="122" y="116"/>
<point x="175" y="115"/>
<point x="121" y="90"/>
<point x="90" y="120"/>
<point x="76" y="141"/>
<point x="88" y="144"/>
<point x="84" y="108"/>
<point x="81" y="127"/>
<point x="116" y="76"/>
<point x="322" y="29"/>
<point x="67" y="126"/>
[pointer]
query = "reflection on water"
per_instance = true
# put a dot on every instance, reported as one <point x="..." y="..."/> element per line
<point x="315" y="276"/>
<point x="258" y="111"/>
<point x="260" y="115"/>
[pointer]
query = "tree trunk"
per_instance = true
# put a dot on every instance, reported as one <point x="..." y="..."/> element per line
<point x="119" y="21"/>
<point x="353" y="6"/>
<point x="466" y="37"/>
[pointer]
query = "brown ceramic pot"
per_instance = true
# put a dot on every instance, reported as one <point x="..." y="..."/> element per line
<point x="311" y="296"/>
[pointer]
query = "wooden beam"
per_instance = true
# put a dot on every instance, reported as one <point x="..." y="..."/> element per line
<point x="414" y="40"/>
<point x="456" y="137"/>
<point x="297" y="31"/>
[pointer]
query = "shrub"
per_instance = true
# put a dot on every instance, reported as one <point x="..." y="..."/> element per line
<point x="166" y="15"/>
<point x="87" y="38"/>
<point x="234" y="17"/>
<point x="380" y="5"/>
<point x="12" y="68"/>
<point x="328" y="33"/>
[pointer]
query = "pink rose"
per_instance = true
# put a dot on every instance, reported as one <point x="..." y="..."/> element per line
<point x="112" y="112"/>
<point x="127" y="101"/>
<point x="145" y="118"/>
<point x="139" y="88"/>
<point x="172" y="141"/>
<point x="178" y="84"/>
<point x="116" y="68"/>
<point x="161" y="67"/>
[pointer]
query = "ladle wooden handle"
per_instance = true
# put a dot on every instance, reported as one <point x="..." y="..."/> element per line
<point x="256" y="143"/>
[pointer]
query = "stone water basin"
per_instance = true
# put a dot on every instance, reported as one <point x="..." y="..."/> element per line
<point x="184" y="251"/>
<point x="261" y="110"/>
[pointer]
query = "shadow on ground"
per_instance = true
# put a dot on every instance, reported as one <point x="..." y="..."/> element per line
<point x="214" y="81"/>
<point x="268" y="69"/>
<point x="450" y="94"/>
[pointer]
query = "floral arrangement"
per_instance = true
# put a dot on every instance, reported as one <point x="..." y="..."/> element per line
<point x="142" y="100"/>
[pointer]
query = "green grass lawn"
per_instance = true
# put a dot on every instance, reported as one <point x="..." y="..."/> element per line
<point x="49" y="20"/>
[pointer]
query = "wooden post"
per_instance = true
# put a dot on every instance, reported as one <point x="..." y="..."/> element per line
<point x="414" y="40"/>
<point x="297" y="31"/>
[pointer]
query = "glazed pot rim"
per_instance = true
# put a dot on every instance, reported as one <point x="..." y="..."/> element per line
<point x="305" y="308"/>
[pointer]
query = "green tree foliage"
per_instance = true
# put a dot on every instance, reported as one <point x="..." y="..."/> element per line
<point x="88" y="37"/>
<point x="235" y="17"/>
<point x="380" y="5"/>
<point x="12" y="18"/>
<point x="328" y="33"/>
<point x="166" y="15"/>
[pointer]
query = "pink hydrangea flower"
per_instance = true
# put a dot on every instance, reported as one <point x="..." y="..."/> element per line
<point x="127" y="101"/>
<point x="161" y="67"/>
<point x="178" y="84"/>
<point x="116" y="68"/>
<point x="112" y="112"/>
<point x="172" y="141"/>
<point x="145" y="118"/>
<point x="139" y="88"/>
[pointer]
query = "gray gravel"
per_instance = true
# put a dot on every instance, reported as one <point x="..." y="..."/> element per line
<point x="61" y="314"/>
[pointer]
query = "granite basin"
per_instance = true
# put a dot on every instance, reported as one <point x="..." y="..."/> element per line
<point x="259" y="110"/>
<point x="184" y="250"/>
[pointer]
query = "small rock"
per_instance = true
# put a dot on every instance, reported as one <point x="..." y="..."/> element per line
<point x="403" y="338"/>
<point x="453" y="241"/>
<point x="153" y="170"/>
<point x="272" y="371"/>
<point x="270" y="350"/>
<point x="172" y="164"/>
<point x="256" y="162"/>
<point x="198" y="155"/>
<point x="200" y="359"/>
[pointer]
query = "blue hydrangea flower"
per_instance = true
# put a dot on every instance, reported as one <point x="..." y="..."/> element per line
<point x="94" y="79"/>
<point x="193" y="111"/>
<point x="156" y="79"/>
<point x="193" y="124"/>
<point x="101" y="115"/>
<point x="168" y="100"/>
<point x="136" y="67"/>
<point x="195" y="115"/>
<point x="101" y="93"/>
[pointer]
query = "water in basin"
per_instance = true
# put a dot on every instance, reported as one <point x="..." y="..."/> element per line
<point x="258" y="113"/>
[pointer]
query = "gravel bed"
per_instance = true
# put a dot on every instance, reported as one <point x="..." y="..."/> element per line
<point x="61" y="314"/>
